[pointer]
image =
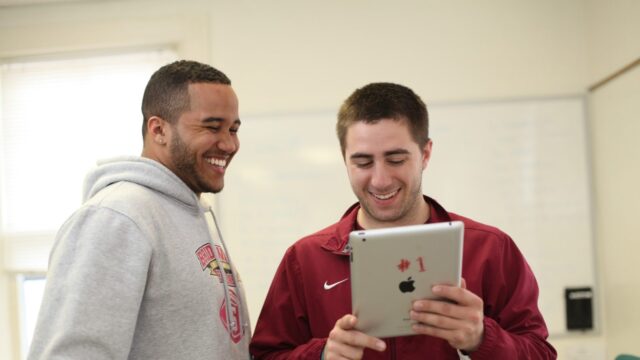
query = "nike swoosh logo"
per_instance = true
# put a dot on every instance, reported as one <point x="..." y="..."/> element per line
<point x="331" y="286"/>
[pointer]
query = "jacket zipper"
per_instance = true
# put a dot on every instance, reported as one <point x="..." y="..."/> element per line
<point x="392" y="348"/>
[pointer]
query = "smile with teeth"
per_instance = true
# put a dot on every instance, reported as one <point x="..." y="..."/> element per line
<point x="217" y="162"/>
<point x="385" y="196"/>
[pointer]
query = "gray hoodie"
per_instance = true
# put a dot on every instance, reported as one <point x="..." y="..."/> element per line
<point x="140" y="272"/>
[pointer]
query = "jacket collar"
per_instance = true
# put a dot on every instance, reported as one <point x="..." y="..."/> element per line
<point x="337" y="242"/>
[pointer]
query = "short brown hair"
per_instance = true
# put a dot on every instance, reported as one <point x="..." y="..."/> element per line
<point x="167" y="95"/>
<point x="377" y="101"/>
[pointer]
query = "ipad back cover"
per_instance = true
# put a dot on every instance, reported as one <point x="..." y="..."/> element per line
<point x="392" y="267"/>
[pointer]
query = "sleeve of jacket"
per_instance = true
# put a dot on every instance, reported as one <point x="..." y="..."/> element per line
<point x="513" y="325"/>
<point x="95" y="284"/>
<point x="282" y="330"/>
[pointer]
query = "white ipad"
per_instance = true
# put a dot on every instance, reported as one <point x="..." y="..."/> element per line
<point x="391" y="267"/>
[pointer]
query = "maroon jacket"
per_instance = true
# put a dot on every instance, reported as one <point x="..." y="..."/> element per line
<point x="299" y="313"/>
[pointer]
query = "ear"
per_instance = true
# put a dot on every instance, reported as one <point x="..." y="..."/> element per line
<point x="426" y="154"/>
<point x="157" y="130"/>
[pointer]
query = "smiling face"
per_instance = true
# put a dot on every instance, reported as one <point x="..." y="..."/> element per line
<point x="200" y="145"/>
<point x="385" y="167"/>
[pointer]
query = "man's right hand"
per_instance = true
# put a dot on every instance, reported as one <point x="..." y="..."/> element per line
<point x="345" y="342"/>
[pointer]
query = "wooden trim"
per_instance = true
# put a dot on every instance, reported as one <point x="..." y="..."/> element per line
<point x="616" y="74"/>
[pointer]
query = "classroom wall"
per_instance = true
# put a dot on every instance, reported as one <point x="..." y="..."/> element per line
<point x="614" y="113"/>
<point x="613" y="32"/>
<point x="289" y="56"/>
<point x="93" y="26"/>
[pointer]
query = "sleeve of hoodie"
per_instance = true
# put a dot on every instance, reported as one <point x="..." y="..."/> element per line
<point x="95" y="284"/>
<point x="282" y="331"/>
<point x="513" y="325"/>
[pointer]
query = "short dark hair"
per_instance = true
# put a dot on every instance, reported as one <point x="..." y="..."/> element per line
<point x="377" y="101"/>
<point x="167" y="95"/>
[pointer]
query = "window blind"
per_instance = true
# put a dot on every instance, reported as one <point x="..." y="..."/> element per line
<point x="57" y="118"/>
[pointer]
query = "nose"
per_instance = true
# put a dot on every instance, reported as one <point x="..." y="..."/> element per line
<point x="380" y="177"/>
<point x="228" y="143"/>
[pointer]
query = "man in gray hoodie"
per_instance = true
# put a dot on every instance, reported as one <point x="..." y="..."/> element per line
<point x="141" y="271"/>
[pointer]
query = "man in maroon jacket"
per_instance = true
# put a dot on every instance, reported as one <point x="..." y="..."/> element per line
<point x="384" y="137"/>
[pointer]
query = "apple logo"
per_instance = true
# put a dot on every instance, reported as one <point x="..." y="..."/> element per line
<point x="407" y="285"/>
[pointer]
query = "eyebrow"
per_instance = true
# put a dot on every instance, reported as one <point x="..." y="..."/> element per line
<point x="220" y="120"/>
<point x="355" y="156"/>
<point x="396" y="152"/>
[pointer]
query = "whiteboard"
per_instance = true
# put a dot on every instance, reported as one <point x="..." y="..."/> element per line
<point x="520" y="165"/>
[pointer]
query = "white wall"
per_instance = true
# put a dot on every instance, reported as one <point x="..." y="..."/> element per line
<point x="614" y="111"/>
<point x="613" y="32"/>
<point x="289" y="55"/>
<point x="93" y="26"/>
